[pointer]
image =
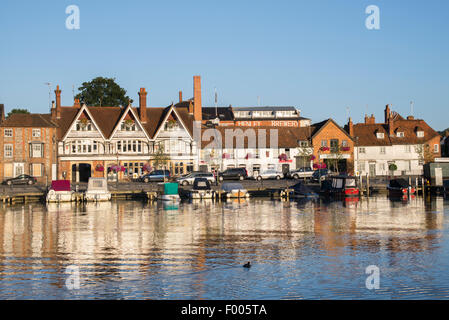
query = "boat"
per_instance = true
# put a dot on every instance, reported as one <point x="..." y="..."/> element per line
<point x="201" y="189"/>
<point x="234" y="190"/>
<point x="300" y="190"/>
<point x="345" y="186"/>
<point x="399" y="188"/>
<point x="170" y="192"/>
<point x="60" y="191"/>
<point x="97" y="190"/>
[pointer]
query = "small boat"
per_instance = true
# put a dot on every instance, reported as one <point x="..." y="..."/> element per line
<point x="300" y="190"/>
<point x="201" y="189"/>
<point x="345" y="186"/>
<point x="234" y="190"/>
<point x="97" y="190"/>
<point x="399" y="188"/>
<point x="170" y="192"/>
<point x="60" y="191"/>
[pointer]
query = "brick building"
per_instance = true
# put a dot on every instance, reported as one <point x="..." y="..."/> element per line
<point x="27" y="146"/>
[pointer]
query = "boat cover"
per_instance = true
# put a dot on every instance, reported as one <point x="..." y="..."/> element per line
<point x="170" y="188"/>
<point x="61" y="185"/>
<point x="201" y="184"/>
<point x="229" y="186"/>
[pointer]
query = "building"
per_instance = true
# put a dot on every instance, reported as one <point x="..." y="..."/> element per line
<point x="28" y="146"/>
<point x="268" y="116"/>
<point x="256" y="149"/>
<point x="404" y="144"/>
<point x="124" y="142"/>
<point x="333" y="147"/>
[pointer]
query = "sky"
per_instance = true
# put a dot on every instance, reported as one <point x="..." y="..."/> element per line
<point x="318" y="56"/>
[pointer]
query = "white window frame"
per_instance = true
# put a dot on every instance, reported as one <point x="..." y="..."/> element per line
<point x="36" y="133"/>
<point x="383" y="150"/>
<point x="420" y="134"/>
<point x="362" y="150"/>
<point x="380" y="135"/>
<point x="8" y="133"/>
<point x="436" y="148"/>
<point x="8" y="153"/>
<point x="400" y="134"/>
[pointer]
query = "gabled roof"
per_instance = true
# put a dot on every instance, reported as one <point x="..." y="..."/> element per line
<point x="365" y="134"/>
<point x="35" y="120"/>
<point x="317" y="127"/>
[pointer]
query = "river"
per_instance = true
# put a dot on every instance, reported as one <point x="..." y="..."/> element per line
<point x="298" y="250"/>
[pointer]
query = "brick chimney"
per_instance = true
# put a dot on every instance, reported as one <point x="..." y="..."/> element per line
<point x="58" y="103"/>
<point x="390" y="126"/>
<point x="197" y="109"/>
<point x="366" y="119"/>
<point x="2" y="112"/>
<point x="387" y="113"/>
<point x="76" y="103"/>
<point x="180" y="96"/>
<point x="351" y="127"/>
<point x="143" y="105"/>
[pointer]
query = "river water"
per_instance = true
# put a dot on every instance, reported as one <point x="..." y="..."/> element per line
<point x="298" y="250"/>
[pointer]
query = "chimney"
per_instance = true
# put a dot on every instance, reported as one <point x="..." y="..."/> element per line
<point x="180" y="96"/>
<point x="197" y="109"/>
<point x="410" y="118"/>
<point x="143" y="105"/>
<point x="387" y="113"/>
<point x="76" y="103"/>
<point x="58" y="102"/>
<point x="2" y="112"/>
<point x="372" y="119"/>
<point x="366" y="119"/>
<point x="390" y="126"/>
<point x="351" y="127"/>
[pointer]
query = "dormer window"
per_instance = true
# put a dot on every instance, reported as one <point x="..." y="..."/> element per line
<point x="84" y="125"/>
<point x="420" y="134"/>
<point x="400" y="134"/>
<point x="380" y="135"/>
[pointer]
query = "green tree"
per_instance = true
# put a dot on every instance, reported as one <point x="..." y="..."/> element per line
<point x="160" y="159"/>
<point x="102" y="92"/>
<point x="17" y="111"/>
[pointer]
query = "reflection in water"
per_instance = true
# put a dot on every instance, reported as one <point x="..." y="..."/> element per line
<point x="303" y="249"/>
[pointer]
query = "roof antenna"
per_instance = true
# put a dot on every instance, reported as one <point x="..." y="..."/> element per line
<point x="216" y="101"/>
<point x="411" y="107"/>
<point x="73" y="92"/>
<point x="49" y="93"/>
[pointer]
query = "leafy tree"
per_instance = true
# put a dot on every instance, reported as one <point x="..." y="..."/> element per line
<point x="160" y="158"/>
<point x="18" y="111"/>
<point x="424" y="153"/>
<point x="102" y="92"/>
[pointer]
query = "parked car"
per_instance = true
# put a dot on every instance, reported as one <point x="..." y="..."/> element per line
<point x="320" y="174"/>
<point x="233" y="173"/>
<point x="190" y="178"/>
<point x="300" y="173"/>
<point x="156" y="175"/>
<point x="22" y="179"/>
<point x="269" y="174"/>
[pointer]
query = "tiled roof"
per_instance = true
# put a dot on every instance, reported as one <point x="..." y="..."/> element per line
<point x="224" y="113"/>
<point x="365" y="134"/>
<point x="36" y="120"/>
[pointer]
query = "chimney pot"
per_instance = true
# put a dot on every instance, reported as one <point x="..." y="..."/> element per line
<point x="197" y="108"/>
<point x="180" y="96"/>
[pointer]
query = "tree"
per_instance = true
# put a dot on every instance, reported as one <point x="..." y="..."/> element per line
<point x="424" y="153"/>
<point x="159" y="157"/>
<point x="25" y="111"/>
<point x="102" y="92"/>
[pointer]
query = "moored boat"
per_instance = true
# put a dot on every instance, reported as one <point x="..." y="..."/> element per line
<point x="97" y="190"/>
<point x="170" y="192"/>
<point x="345" y="186"/>
<point x="234" y="190"/>
<point x="399" y="188"/>
<point x="201" y="189"/>
<point x="60" y="191"/>
<point x="300" y="190"/>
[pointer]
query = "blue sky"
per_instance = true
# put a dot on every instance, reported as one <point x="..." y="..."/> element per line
<point x="315" y="55"/>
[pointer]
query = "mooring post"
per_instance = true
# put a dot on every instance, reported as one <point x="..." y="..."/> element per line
<point x="367" y="184"/>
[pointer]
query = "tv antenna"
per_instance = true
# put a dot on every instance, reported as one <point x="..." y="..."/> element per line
<point x="49" y="93"/>
<point x="411" y="107"/>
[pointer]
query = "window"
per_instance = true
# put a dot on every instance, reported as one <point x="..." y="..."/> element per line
<point x="361" y="166"/>
<point x="408" y="149"/>
<point x="36" y="133"/>
<point x="8" y="150"/>
<point x="36" y="169"/>
<point x="436" y="148"/>
<point x="334" y="145"/>
<point x="382" y="167"/>
<point x="324" y="143"/>
<point x="84" y="146"/>
<point x="304" y="144"/>
<point x="344" y="143"/>
<point x="8" y="167"/>
<point x="420" y="134"/>
<point x="36" y="150"/>
<point x="382" y="150"/>
<point x="362" y="150"/>
<point x="400" y="134"/>
<point x="84" y="125"/>
<point x="8" y="133"/>
<point x="380" y="135"/>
